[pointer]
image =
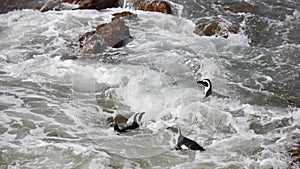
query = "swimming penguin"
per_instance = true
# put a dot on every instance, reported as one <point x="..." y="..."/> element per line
<point x="135" y="123"/>
<point x="183" y="142"/>
<point x="208" y="89"/>
<point x="137" y="117"/>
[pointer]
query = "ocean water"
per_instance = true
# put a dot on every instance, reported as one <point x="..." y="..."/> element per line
<point x="54" y="111"/>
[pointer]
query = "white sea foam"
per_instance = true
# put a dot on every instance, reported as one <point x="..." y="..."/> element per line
<point x="51" y="115"/>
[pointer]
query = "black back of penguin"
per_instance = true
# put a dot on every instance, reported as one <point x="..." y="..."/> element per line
<point x="191" y="144"/>
<point x="184" y="142"/>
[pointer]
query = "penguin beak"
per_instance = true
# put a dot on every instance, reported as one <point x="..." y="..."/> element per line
<point x="200" y="82"/>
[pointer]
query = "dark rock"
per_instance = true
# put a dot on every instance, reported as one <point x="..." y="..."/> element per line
<point x="45" y="5"/>
<point x="113" y="34"/>
<point x="117" y="119"/>
<point x="243" y="7"/>
<point x="154" y="6"/>
<point x="124" y="15"/>
<point x="42" y="5"/>
<point x="294" y="151"/>
<point x="214" y="27"/>
<point x="71" y="1"/>
<point x="208" y="29"/>
<point x="91" y="43"/>
<point x="85" y="38"/>
<point x="98" y="4"/>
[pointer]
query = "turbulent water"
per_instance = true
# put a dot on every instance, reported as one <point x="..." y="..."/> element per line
<point x="54" y="111"/>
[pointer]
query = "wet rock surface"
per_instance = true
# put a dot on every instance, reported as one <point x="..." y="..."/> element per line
<point x="215" y="28"/>
<point x="116" y="119"/>
<point x="98" y="4"/>
<point x="113" y="34"/>
<point x="45" y="5"/>
<point x="294" y="151"/>
<point x="153" y="6"/>
<point x="243" y="7"/>
<point x="10" y="5"/>
<point x="125" y="16"/>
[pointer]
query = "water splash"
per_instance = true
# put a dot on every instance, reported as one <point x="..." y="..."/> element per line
<point x="124" y="4"/>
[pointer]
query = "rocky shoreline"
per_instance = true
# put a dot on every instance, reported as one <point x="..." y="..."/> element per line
<point x="116" y="33"/>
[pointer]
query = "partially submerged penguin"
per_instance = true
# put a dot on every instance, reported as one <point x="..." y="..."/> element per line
<point x="184" y="142"/>
<point x="132" y="126"/>
<point x="135" y="124"/>
<point x="208" y="89"/>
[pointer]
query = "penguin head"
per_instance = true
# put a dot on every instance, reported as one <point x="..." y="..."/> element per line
<point x="177" y="132"/>
<point x="175" y="129"/>
<point x="207" y="86"/>
<point x="138" y="117"/>
<point x="135" y="124"/>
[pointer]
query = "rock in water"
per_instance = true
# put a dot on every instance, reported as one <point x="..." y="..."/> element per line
<point x="42" y="5"/>
<point x="113" y="34"/>
<point x="243" y="7"/>
<point x="125" y="16"/>
<point x="45" y="5"/>
<point x="98" y="4"/>
<point x="208" y="29"/>
<point x="294" y="151"/>
<point x="71" y="1"/>
<point x="154" y="6"/>
<point x="116" y="119"/>
<point x="211" y="28"/>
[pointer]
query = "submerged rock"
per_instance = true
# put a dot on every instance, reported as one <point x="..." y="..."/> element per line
<point x="217" y="28"/>
<point x="243" y="7"/>
<point x="294" y="151"/>
<point x="259" y="128"/>
<point x="113" y="34"/>
<point x="154" y="6"/>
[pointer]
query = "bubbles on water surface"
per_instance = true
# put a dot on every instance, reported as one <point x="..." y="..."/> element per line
<point x="64" y="105"/>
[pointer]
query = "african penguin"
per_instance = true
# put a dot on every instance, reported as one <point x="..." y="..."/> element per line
<point x="135" y="123"/>
<point x="132" y="126"/>
<point x="208" y="89"/>
<point x="137" y="117"/>
<point x="183" y="142"/>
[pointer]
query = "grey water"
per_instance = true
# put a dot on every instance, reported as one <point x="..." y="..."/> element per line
<point x="54" y="112"/>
